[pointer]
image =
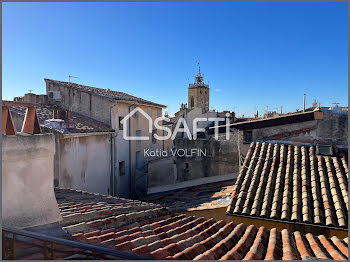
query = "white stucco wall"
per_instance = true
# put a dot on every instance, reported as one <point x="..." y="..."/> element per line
<point x="28" y="197"/>
<point x="85" y="163"/>
<point x="197" y="113"/>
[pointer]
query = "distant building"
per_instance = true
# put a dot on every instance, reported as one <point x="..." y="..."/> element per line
<point x="128" y="164"/>
<point x="198" y="93"/>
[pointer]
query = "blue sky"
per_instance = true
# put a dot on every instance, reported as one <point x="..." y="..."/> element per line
<point x="254" y="54"/>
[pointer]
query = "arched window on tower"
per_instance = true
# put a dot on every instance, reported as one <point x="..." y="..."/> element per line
<point x="192" y="101"/>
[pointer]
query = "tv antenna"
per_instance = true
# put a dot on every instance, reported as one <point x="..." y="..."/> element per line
<point x="69" y="77"/>
<point x="30" y="91"/>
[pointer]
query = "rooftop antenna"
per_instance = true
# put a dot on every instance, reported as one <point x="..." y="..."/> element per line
<point x="30" y="91"/>
<point x="69" y="77"/>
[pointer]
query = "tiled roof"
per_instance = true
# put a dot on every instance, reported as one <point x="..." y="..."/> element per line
<point x="83" y="211"/>
<point x="107" y="93"/>
<point x="148" y="230"/>
<point x="292" y="183"/>
<point x="78" y="122"/>
<point x="209" y="196"/>
<point x="172" y="236"/>
<point x="196" y="238"/>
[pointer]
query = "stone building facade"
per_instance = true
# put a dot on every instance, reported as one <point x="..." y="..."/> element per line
<point x="110" y="107"/>
<point x="198" y="93"/>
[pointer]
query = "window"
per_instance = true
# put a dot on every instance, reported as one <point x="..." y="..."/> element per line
<point x="122" y="168"/>
<point x="200" y="91"/>
<point x="153" y="138"/>
<point x="187" y="165"/>
<point x="149" y="110"/>
<point x="247" y="136"/>
<point x="192" y="101"/>
<point x="120" y="122"/>
<point x="159" y="113"/>
<point x="324" y="150"/>
<point x="138" y="159"/>
<point x="136" y="114"/>
<point x="138" y="134"/>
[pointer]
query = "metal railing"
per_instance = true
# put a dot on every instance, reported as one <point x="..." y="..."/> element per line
<point x="49" y="246"/>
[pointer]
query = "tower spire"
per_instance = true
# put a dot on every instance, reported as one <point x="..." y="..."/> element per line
<point x="199" y="68"/>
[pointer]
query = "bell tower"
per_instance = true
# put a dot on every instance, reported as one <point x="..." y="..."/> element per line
<point x="198" y="93"/>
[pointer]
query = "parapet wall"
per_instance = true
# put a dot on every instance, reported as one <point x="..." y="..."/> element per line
<point x="28" y="197"/>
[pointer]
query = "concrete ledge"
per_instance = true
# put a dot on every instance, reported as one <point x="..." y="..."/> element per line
<point x="191" y="183"/>
<point x="25" y="146"/>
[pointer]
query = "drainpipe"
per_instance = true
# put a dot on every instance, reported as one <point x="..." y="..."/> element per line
<point x="112" y="149"/>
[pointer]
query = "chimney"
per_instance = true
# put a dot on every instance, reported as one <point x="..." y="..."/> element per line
<point x="304" y="102"/>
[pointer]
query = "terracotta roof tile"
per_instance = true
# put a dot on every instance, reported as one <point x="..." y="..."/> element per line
<point x="171" y="236"/>
<point x="292" y="183"/>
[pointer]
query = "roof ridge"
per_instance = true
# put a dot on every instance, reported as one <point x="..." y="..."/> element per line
<point x="109" y="93"/>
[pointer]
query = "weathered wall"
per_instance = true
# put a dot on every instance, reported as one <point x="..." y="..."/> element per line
<point x="162" y="172"/>
<point x="333" y="128"/>
<point x="268" y="132"/>
<point x="82" y="102"/>
<point x="85" y="163"/>
<point x="221" y="160"/>
<point x="27" y="181"/>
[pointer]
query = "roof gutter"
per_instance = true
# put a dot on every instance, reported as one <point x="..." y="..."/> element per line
<point x="289" y="222"/>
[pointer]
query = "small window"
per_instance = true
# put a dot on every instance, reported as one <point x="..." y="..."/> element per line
<point x="205" y="92"/>
<point x="200" y="91"/>
<point x="122" y="168"/>
<point x="187" y="165"/>
<point x="138" y="159"/>
<point x="159" y="113"/>
<point x="247" y="137"/>
<point x="153" y="138"/>
<point x="136" y="114"/>
<point x="149" y="110"/>
<point x="138" y="134"/>
<point x="120" y="123"/>
<point x="324" y="150"/>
